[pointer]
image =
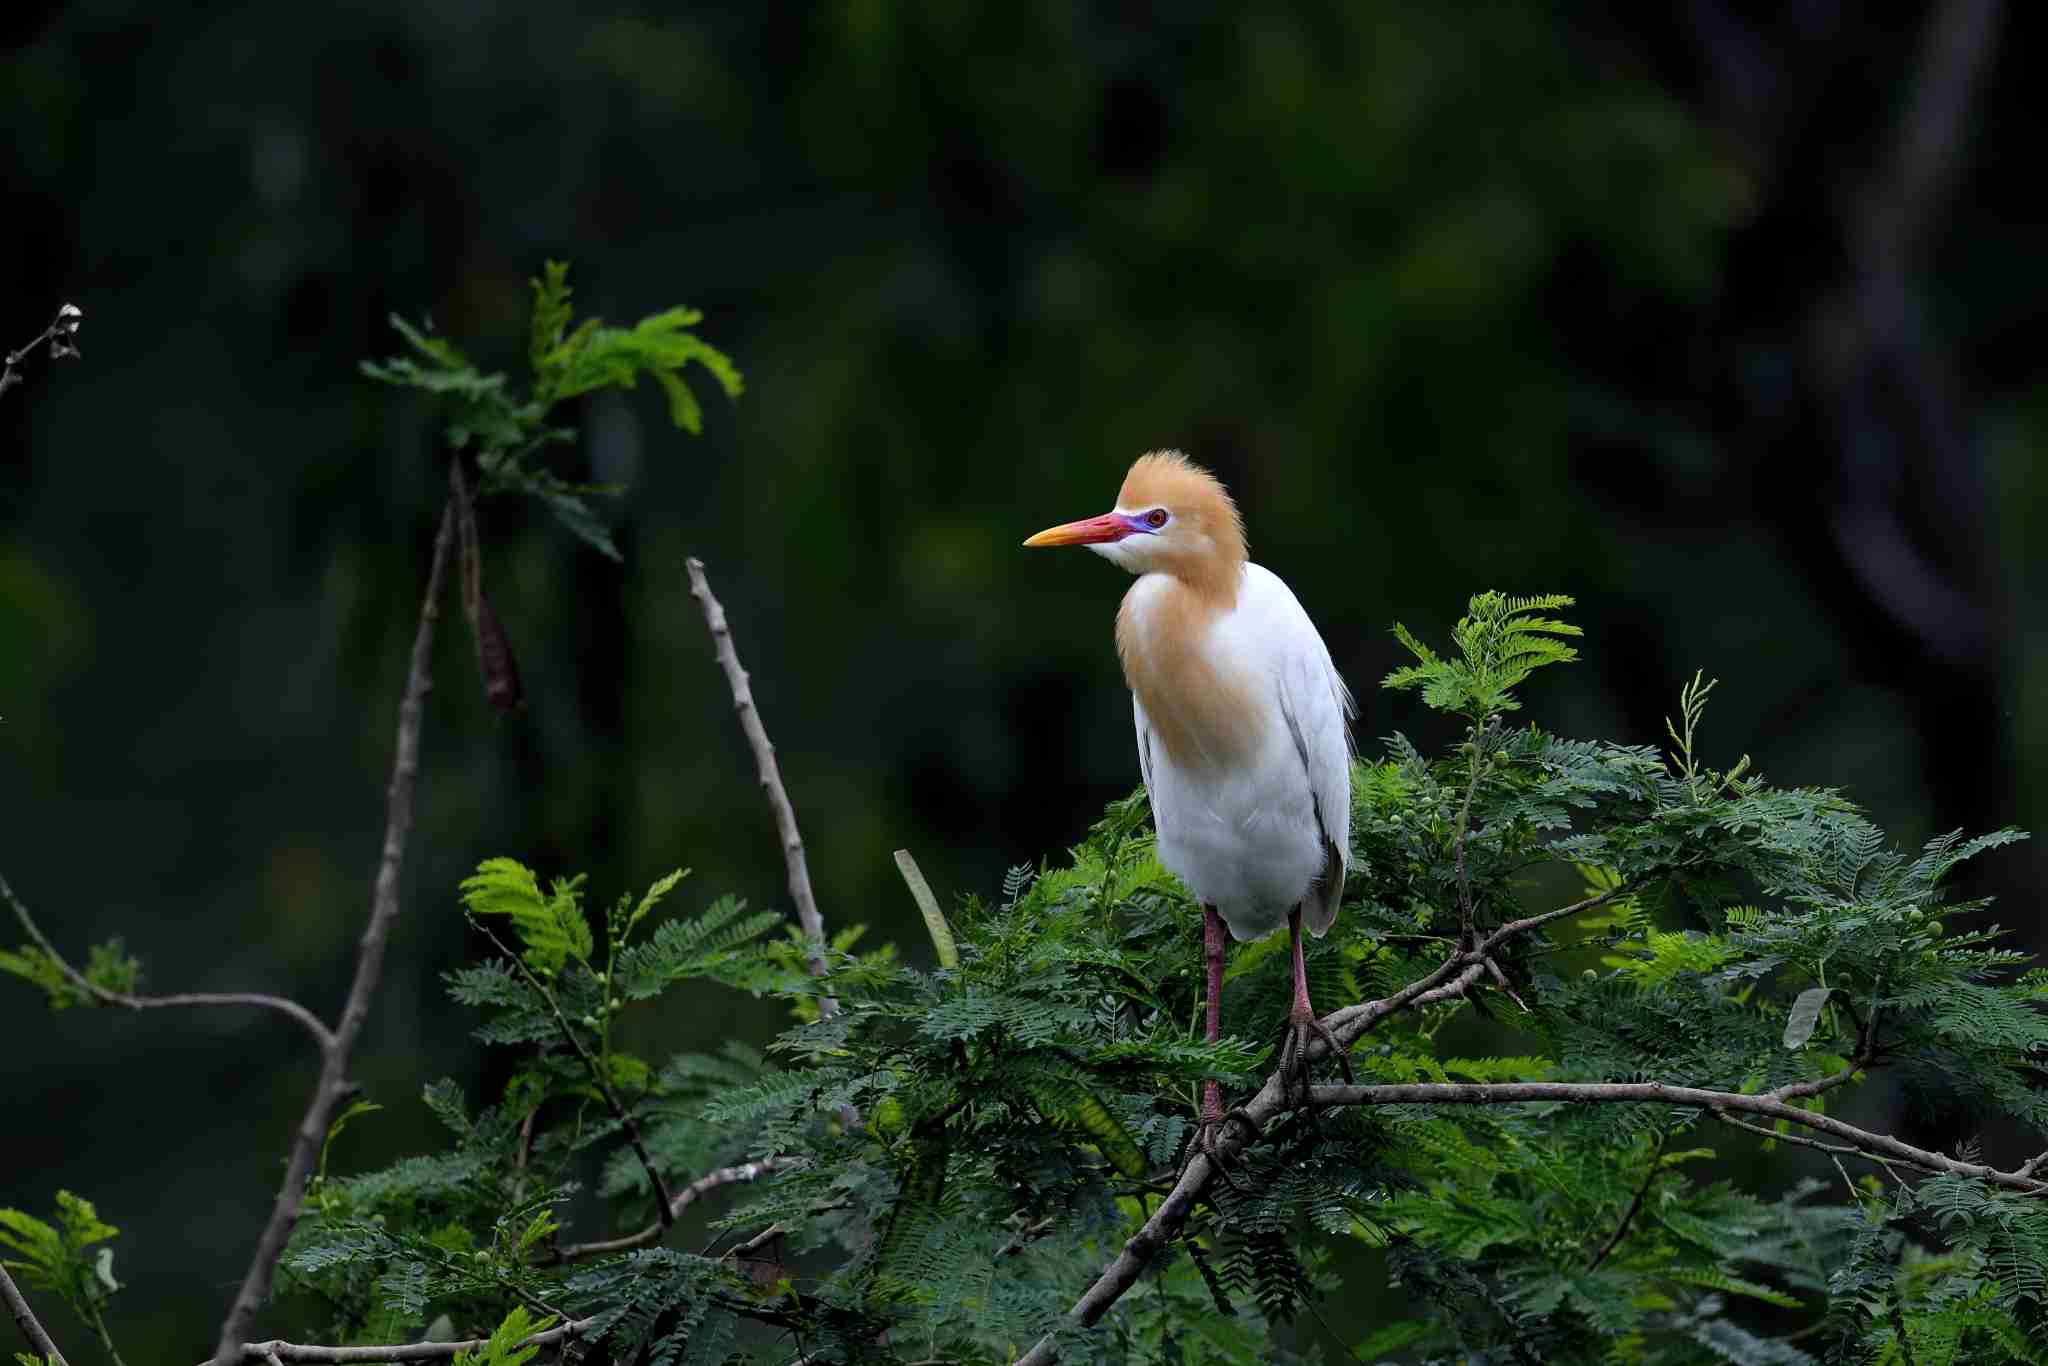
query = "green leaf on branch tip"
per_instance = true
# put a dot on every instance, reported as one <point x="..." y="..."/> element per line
<point x="57" y="1257"/>
<point x="550" y="925"/>
<point x="1501" y="641"/>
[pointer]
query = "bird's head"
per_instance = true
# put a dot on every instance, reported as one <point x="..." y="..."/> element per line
<point x="1171" y="517"/>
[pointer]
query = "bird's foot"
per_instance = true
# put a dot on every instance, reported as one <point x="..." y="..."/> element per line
<point x="1303" y="1030"/>
<point x="1214" y="1126"/>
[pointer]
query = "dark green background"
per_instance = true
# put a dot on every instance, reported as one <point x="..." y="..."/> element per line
<point x="1454" y="297"/>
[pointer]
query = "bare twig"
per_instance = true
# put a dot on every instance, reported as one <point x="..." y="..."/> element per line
<point x="603" y="1083"/>
<point x="682" y="1200"/>
<point x="25" y="1319"/>
<point x="408" y="1351"/>
<point x="334" y="1085"/>
<point x="1628" y="1215"/>
<point x="771" y="775"/>
<point x="322" y="1036"/>
<point x="61" y="334"/>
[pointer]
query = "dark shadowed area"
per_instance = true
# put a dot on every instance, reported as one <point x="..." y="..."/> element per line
<point x="1729" y="322"/>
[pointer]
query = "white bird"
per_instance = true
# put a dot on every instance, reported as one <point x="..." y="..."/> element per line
<point x="1241" y="718"/>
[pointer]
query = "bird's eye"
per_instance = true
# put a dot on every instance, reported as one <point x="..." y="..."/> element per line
<point x="1156" y="518"/>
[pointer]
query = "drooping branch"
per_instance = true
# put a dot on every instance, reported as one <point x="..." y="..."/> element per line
<point x="771" y="774"/>
<point x="25" y="1319"/>
<point x="322" y="1036"/>
<point x="333" y="1084"/>
<point x="723" y="1176"/>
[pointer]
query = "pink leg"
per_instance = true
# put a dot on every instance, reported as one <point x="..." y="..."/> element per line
<point x="1212" y="949"/>
<point x="1302" y="1026"/>
<point x="1301" y="1005"/>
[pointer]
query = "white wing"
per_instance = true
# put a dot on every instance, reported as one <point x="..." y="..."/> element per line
<point x="1315" y="704"/>
<point x="1145" y="754"/>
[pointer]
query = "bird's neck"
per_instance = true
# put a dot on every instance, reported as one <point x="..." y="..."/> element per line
<point x="1199" y="702"/>
<point x="1213" y="577"/>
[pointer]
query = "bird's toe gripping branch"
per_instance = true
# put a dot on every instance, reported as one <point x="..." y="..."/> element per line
<point x="1303" y="1030"/>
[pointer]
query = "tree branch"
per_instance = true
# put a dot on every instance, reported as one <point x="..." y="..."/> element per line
<point x="322" y="1036"/>
<point x="771" y="775"/>
<point x="25" y="1319"/>
<point x="1481" y="731"/>
<point x="1628" y="1215"/>
<point x="603" y="1082"/>
<point x="409" y="1351"/>
<point x="683" y="1199"/>
<point x="1770" y="1104"/>
<point x="384" y="906"/>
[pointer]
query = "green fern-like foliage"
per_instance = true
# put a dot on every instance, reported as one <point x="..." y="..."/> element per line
<point x="936" y="1170"/>
<point x="1501" y="640"/>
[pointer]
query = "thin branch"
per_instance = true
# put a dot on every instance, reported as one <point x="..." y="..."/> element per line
<point x="334" y="1085"/>
<point x="604" y="1083"/>
<point x="1634" y="1206"/>
<point x="61" y="334"/>
<point x="1769" y="1105"/>
<point x="25" y="1319"/>
<point x="771" y="775"/>
<point x="740" y="1252"/>
<point x="1802" y="1141"/>
<point x="1350" y="1022"/>
<point x="683" y="1199"/>
<point x="409" y="1351"/>
<point x="1480" y="756"/>
<point x="322" y="1036"/>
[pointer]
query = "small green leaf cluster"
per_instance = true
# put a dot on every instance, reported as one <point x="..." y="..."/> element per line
<point x="63" y="1258"/>
<point x="108" y="967"/>
<point x="510" y="432"/>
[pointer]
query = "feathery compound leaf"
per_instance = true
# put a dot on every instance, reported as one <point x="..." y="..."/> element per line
<point x="551" y="926"/>
<point x="1501" y="641"/>
<point x="503" y="1348"/>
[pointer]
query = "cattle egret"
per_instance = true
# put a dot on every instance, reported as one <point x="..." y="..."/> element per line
<point x="1242" y="736"/>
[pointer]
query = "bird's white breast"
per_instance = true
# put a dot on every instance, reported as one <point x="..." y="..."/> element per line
<point x="1236" y="711"/>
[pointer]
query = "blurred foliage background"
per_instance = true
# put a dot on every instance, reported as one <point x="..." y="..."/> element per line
<point x="1726" y="319"/>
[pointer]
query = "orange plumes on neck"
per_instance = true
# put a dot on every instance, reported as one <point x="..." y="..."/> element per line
<point x="1200" y="706"/>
